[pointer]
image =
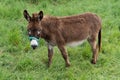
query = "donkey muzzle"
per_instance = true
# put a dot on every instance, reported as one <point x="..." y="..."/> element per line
<point x="34" y="42"/>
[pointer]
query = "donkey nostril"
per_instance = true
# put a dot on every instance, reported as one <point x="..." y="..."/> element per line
<point x="34" y="46"/>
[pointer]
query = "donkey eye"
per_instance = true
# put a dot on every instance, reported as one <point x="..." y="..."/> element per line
<point x="38" y="32"/>
<point x="29" y="32"/>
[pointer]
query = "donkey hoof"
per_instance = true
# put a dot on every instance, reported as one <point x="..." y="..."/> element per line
<point x="93" y="62"/>
<point x="49" y="64"/>
<point x="68" y="65"/>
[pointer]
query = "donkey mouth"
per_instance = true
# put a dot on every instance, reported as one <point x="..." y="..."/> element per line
<point x="34" y="47"/>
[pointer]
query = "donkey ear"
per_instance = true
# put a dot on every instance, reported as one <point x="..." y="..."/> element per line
<point x="40" y="15"/>
<point x="26" y="15"/>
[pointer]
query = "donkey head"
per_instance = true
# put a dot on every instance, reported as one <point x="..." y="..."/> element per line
<point x="34" y="27"/>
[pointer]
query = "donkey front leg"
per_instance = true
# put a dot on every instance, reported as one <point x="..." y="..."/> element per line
<point x="50" y="54"/>
<point x="65" y="55"/>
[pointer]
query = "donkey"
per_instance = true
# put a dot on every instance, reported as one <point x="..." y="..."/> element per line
<point x="62" y="31"/>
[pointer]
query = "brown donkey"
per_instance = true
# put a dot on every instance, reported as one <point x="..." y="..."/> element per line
<point x="62" y="31"/>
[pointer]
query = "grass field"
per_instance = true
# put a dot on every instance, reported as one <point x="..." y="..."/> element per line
<point x="19" y="62"/>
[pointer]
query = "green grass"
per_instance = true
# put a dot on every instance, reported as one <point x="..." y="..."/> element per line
<point x="19" y="62"/>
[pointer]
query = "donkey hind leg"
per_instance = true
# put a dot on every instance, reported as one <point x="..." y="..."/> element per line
<point x="65" y="55"/>
<point x="94" y="47"/>
<point x="50" y="54"/>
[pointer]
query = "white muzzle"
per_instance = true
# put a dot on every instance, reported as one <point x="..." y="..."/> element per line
<point x="34" y="43"/>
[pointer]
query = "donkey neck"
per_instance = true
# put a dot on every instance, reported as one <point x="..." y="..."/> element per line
<point x="49" y="26"/>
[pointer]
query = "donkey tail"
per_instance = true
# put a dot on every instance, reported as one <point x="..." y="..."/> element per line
<point x="99" y="40"/>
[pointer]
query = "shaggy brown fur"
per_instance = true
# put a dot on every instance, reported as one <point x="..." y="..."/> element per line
<point x="60" y="31"/>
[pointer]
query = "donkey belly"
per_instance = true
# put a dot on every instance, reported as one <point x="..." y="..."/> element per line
<point x="75" y="43"/>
